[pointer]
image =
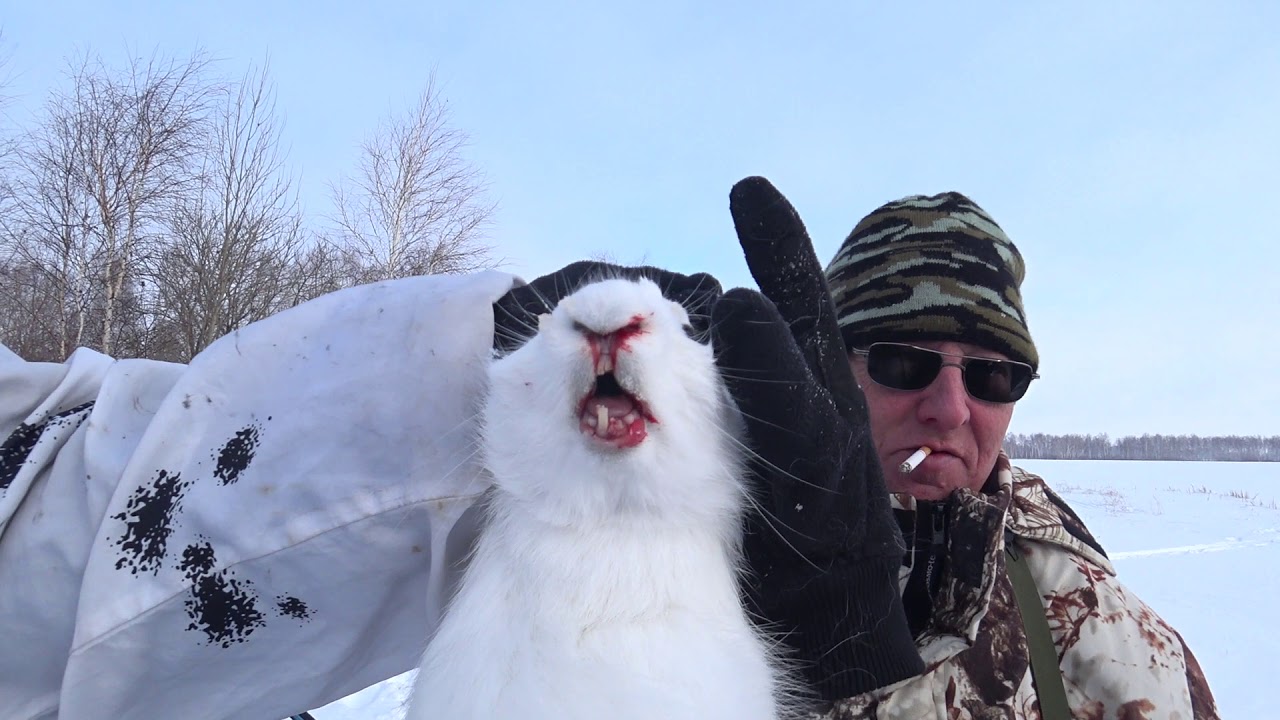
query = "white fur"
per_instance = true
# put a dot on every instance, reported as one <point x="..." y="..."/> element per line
<point x="603" y="584"/>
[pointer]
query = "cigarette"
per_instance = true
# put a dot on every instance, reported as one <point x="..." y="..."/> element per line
<point x="914" y="461"/>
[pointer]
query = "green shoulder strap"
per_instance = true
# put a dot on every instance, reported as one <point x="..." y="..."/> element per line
<point x="1045" y="672"/>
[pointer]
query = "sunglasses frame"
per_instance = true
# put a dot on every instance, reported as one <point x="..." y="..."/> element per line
<point x="964" y="368"/>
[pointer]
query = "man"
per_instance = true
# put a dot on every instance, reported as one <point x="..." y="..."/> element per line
<point x="926" y="291"/>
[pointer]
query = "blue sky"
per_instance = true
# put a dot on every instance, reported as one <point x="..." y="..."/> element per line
<point x="1130" y="149"/>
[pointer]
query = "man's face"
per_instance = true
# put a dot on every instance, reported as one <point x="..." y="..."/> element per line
<point x="964" y="433"/>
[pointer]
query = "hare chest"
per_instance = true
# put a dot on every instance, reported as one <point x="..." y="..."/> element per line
<point x="648" y="632"/>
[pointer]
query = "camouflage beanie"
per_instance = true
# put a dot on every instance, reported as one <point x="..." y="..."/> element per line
<point x="931" y="268"/>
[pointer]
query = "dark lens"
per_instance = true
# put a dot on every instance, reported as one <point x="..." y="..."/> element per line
<point x="998" y="381"/>
<point x="901" y="367"/>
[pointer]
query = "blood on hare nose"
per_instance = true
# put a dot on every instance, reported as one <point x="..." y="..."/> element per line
<point x="609" y="413"/>
<point x="606" y="346"/>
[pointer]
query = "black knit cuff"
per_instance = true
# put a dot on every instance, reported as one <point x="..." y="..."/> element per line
<point x="847" y="627"/>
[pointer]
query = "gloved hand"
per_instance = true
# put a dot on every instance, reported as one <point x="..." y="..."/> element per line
<point x="515" y="315"/>
<point x="824" y="550"/>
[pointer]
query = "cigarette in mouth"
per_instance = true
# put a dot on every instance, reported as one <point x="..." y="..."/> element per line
<point x="914" y="461"/>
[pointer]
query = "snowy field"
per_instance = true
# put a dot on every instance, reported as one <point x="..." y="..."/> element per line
<point x="1199" y="542"/>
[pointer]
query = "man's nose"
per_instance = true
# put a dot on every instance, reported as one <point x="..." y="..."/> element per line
<point x="945" y="402"/>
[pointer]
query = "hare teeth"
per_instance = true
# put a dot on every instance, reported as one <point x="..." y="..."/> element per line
<point x="602" y="416"/>
<point x="604" y="364"/>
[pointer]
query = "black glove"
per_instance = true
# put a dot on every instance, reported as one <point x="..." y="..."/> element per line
<point x="515" y="315"/>
<point x="824" y="550"/>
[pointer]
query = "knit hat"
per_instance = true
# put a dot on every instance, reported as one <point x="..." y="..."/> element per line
<point x="931" y="268"/>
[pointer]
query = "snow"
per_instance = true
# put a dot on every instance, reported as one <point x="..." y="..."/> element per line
<point x="1198" y="542"/>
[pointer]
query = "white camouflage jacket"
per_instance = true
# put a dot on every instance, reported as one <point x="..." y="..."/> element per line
<point x="255" y="534"/>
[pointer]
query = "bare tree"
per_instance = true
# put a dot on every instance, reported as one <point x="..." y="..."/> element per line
<point x="5" y="98"/>
<point x="320" y="268"/>
<point x="47" y="233"/>
<point x="234" y="242"/>
<point x="24" y="291"/>
<point x="141" y="132"/>
<point x="111" y="155"/>
<point x="415" y="206"/>
<point x="85" y="187"/>
<point x="148" y="212"/>
<point x="32" y="306"/>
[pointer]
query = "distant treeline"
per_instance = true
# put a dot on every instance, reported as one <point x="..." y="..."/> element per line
<point x="1039" y="446"/>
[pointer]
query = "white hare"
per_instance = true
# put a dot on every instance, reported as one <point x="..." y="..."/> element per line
<point x="603" y="584"/>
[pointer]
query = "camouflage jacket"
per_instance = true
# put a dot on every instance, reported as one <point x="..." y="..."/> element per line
<point x="1118" y="658"/>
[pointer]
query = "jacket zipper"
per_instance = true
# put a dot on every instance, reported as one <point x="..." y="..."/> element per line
<point x="937" y="544"/>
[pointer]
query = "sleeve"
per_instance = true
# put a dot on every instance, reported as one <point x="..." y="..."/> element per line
<point x="1203" y="705"/>
<point x="265" y="530"/>
<point x="1118" y="655"/>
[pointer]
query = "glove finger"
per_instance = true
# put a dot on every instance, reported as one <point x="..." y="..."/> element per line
<point x="766" y="374"/>
<point x="797" y="438"/>
<point x="781" y="258"/>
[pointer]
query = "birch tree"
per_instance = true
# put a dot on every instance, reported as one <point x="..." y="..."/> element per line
<point x="234" y="242"/>
<point x="414" y="205"/>
<point x="52" y="284"/>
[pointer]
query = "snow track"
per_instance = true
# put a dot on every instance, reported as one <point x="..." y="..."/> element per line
<point x="1269" y="536"/>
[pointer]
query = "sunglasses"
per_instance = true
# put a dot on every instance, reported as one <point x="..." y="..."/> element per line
<point x="907" y="367"/>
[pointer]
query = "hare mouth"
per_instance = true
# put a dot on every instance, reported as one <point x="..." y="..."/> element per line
<point x="613" y="416"/>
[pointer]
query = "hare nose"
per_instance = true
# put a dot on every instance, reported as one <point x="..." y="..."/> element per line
<point x="605" y="346"/>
